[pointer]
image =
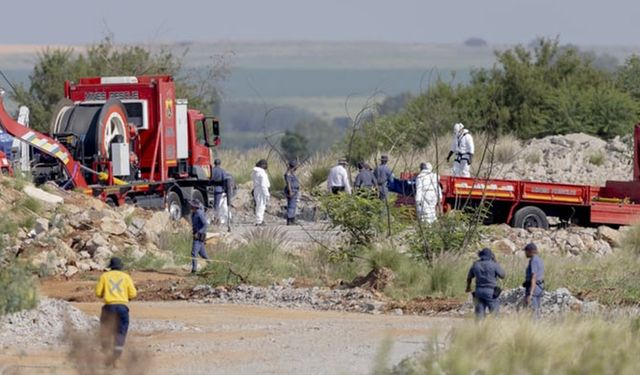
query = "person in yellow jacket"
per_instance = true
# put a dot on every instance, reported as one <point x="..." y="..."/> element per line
<point x="116" y="287"/>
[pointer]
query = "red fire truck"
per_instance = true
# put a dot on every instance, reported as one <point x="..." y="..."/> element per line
<point x="125" y="139"/>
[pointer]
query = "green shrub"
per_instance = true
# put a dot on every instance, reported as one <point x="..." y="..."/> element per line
<point x="17" y="289"/>
<point x="597" y="158"/>
<point x="360" y="217"/>
<point x="453" y="233"/>
<point x="518" y="345"/>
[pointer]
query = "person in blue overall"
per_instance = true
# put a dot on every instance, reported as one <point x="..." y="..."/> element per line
<point x="291" y="191"/>
<point x="199" y="230"/>
<point x="383" y="177"/>
<point x="486" y="271"/>
<point x="217" y="179"/>
<point x="533" y="280"/>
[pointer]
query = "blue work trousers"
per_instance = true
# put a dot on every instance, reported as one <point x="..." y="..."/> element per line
<point x="114" y="325"/>
<point x="536" y="301"/>
<point x="197" y="249"/>
<point x="484" y="301"/>
<point x="292" y="205"/>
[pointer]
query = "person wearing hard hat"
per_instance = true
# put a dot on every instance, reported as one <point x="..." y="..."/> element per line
<point x="117" y="289"/>
<point x="199" y="230"/>
<point x="217" y="179"/>
<point x="261" y="187"/>
<point x="291" y="191"/>
<point x="383" y="176"/>
<point x="428" y="193"/>
<point x="463" y="148"/>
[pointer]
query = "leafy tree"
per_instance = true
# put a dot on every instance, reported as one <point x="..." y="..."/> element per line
<point x="105" y="58"/>
<point x="294" y="146"/>
<point x="628" y="77"/>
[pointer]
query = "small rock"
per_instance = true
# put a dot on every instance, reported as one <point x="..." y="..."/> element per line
<point x="42" y="195"/>
<point x="113" y="226"/>
<point x="42" y="225"/>
<point x="504" y="246"/>
<point x="610" y="235"/>
<point x="71" y="270"/>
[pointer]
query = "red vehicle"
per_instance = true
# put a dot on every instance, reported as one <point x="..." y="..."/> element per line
<point x="125" y="139"/>
<point x="5" y="165"/>
<point x="527" y="204"/>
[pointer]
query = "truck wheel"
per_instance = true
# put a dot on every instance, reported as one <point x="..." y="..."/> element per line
<point x="530" y="217"/>
<point x="174" y="205"/>
<point x="111" y="202"/>
<point x="197" y="196"/>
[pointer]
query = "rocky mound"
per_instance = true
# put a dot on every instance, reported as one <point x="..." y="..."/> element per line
<point x="571" y="158"/>
<point x="572" y="241"/>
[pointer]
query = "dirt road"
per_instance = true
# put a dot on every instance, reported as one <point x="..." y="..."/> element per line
<point x="233" y="339"/>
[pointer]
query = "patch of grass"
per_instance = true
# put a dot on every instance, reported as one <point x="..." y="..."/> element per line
<point x="261" y="261"/>
<point x="28" y="222"/>
<point x="17" y="289"/>
<point x="518" y="345"/>
<point x="506" y="149"/>
<point x="597" y="158"/>
<point x="532" y="158"/>
<point x="148" y="261"/>
<point x="30" y="204"/>
<point x="178" y="243"/>
<point x="8" y="226"/>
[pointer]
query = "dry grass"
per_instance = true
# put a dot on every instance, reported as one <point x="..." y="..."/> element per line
<point x="518" y="345"/>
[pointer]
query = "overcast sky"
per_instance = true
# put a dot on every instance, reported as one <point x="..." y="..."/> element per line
<point x="593" y="22"/>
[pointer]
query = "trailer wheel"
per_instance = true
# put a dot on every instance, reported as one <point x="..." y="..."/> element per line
<point x="530" y="217"/>
<point x="174" y="205"/>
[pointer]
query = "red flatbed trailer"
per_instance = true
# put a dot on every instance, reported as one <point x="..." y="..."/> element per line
<point x="528" y="203"/>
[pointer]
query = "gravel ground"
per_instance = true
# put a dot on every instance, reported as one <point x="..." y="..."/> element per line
<point x="237" y="339"/>
<point x="54" y="319"/>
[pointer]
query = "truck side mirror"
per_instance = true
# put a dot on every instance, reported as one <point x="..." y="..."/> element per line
<point x="216" y="127"/>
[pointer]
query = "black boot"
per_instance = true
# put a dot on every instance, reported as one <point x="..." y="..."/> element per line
<point x="289" y="221"/>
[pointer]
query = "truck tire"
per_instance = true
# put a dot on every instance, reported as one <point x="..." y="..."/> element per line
<point x="174" y="206"/>
<point x="530" y="217"/>
<point x="197" y="196"/>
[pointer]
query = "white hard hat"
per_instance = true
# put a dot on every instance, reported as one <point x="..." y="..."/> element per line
<point x="458" y="127"/>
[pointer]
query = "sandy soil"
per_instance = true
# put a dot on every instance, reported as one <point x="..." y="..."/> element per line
<point x="235" y="339"/>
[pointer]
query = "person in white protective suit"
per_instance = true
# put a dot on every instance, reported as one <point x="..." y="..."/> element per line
<point x="428" y="193"/>
<point x="261" y="187"/>
<point x="463" y="149"/>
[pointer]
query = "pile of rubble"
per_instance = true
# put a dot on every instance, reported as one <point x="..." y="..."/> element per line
<point x="72" y="232"/>
<point x="572" y="158"/>
<point x="53" y="320"/>
<point x="286" y="295"/>
<point x="555" y="302"/>
<point x="572" y="241"/>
